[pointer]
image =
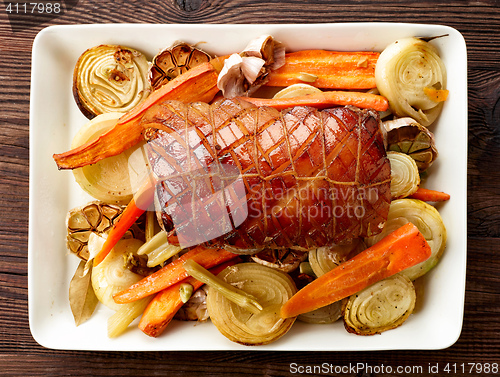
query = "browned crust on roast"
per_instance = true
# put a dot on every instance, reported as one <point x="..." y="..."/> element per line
<point x="299" y="166"/>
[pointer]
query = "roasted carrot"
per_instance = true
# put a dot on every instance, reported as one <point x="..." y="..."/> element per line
<point x="427" y="195"/>
<point x="437" y="95"/>
<point x="325" y="99"/>
<point x="399" y="250"/>
<point x="197" y="84"/>
<point x="135" y="208"/>
<point x="218" y="62"/>
<point x="173" y="273"/>
<point x="166" y="303"/>
<point x="327" y="69"/>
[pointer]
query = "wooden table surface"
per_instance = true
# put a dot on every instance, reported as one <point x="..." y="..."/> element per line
<point x="478" y="21"/>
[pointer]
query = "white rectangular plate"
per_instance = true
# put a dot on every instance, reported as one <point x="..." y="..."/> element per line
<point x="55" y="118"/>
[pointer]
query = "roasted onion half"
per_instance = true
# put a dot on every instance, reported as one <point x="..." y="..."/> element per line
<point x="112" y="275"/>
<point x="110" y="78"/>
<point x="271" y="288"/>
<point x="324" y="259"/>
<point x="405" y="177"/>
<point x="325" y="314"/>
<point x="297" y="90"/>
<point x="382" y="306"/>
<point x="428" y="221"/>
<point x="113" y="179"/>
<point x="406" y="72"/>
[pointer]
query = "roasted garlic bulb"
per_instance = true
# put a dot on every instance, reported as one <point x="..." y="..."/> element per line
<point x="412" y="76"/>
<point x="408" y="136"/>
<point x="244" y="73"/>
<point x="94" y="217"/>
<point x="174" y="61"/>
<point x="110" y="78"/>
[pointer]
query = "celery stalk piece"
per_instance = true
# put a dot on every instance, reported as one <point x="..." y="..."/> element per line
<point x="158" y="249"/>
<point x="233" y="294"/>
<point x="120" y="320"/>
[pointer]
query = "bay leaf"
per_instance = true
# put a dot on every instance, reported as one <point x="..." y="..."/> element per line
<point x="82" y="298"/>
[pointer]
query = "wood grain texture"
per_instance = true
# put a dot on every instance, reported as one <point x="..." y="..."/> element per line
<point x="478" y="21"/>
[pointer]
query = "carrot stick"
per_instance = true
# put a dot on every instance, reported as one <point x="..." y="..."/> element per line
<point x="135" y="208"/>
<point x="166" y="303"/>
<point x="172" y="273"/>
<point x="218" y="62"/>
<point x="325" y="99"/>
<point x="327" y="69"/>
<point x="197" y="84"/>
<point x="399" y="250"/>
<point x="427" y="195"/>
